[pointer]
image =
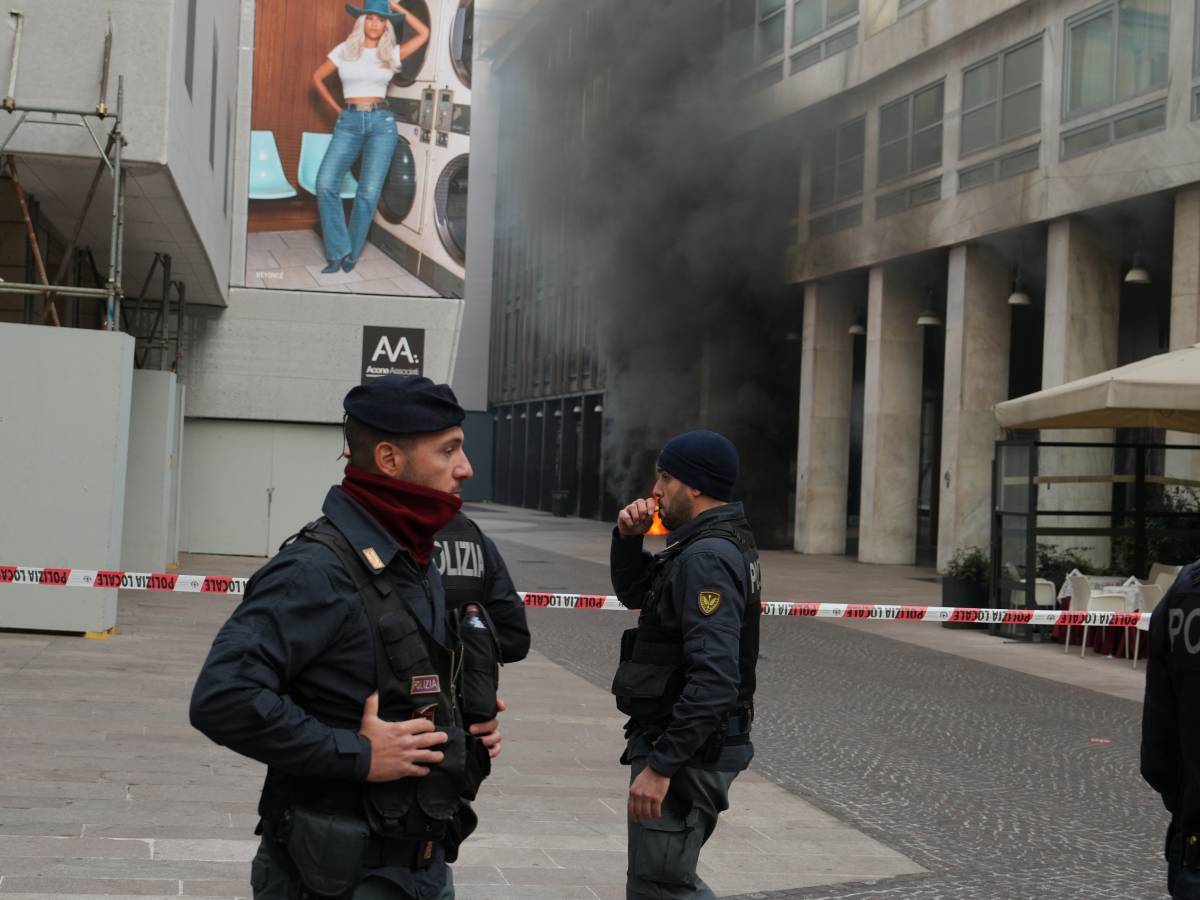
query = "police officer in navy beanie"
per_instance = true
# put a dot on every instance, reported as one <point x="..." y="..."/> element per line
<point x="687" y="673"/>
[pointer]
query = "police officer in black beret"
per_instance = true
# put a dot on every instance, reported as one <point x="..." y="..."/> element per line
<point x="1171" y="727"/>
<point x="338" y="670"/>
<point x="687" y="673"/>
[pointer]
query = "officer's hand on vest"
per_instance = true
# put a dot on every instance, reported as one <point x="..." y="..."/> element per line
<point x="646" y="795"/>
<point x="399" y="749"/>
<point x="489" y="732"/>
<point x="636" y="518"/>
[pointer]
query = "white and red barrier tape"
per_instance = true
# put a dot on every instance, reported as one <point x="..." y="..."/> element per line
<point x="209" y="584"/>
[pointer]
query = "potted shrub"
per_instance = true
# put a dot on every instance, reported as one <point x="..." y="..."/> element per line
<point x="965" y="582"/>
<point x="1054" y="563"/>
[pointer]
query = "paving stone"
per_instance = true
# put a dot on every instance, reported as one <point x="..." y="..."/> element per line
<point x="95" y="886"/>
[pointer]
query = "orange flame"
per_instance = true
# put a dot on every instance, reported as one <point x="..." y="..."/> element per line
<point x="657" y="529"/>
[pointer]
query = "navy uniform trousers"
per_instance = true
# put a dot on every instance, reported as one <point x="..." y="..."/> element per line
<point x="664" y="853"/>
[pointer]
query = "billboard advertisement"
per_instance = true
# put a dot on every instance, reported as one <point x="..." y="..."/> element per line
<point x="360" y="146"/>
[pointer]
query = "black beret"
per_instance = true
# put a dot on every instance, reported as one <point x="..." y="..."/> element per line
<point x="404" y="404"/>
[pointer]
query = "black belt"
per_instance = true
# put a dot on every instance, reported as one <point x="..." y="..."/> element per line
<point x="368" y="107"/>
<point x="411" y="854"/>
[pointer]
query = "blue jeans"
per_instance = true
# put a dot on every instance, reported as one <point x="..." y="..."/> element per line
<point x="373" y="134"/>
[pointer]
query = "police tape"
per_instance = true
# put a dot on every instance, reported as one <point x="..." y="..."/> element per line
<point x="126" y="581"/>
<point x="210" y="584"/>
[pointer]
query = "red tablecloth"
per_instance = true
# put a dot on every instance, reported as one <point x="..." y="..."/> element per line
<point x="1104" y="639"/>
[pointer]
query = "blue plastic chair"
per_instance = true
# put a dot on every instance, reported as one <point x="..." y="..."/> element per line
<point x="267" y="180"/>
<point x="313" y="146"/>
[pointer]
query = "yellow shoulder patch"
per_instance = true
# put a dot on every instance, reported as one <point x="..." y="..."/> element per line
<point x="708" y="602"/>
<point x="373" y="559"/>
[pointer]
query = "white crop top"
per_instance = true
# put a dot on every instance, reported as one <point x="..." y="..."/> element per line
<point x="364" y="77"/>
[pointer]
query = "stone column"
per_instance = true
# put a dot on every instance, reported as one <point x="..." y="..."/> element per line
<point x="1083" y="293"/>
<point x="1185" y="316"/>
<point x="823" y="446"/>
<point x="891" y="416"/>
<point x="977" y="345"/>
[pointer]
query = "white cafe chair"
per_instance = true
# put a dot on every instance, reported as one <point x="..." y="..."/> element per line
<point x="1083" y="600"/>
<point x="1161" y="571"/>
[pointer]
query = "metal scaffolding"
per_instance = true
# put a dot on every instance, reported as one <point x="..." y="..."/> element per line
<point x="110" y="152"/>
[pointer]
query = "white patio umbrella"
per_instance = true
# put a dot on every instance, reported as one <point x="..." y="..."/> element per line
<point x="1159" y="392"/>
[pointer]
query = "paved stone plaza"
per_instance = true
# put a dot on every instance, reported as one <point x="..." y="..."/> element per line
<point x="892" y="761"/>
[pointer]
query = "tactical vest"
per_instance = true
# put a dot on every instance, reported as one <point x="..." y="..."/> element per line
<point x="416" y="677"/>
<point x="650" y="679"/>
<point x="459" y="558"/>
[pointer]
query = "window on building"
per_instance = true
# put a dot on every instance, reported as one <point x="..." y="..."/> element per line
<point x="998" y="168"/>
<point x="810" y="17"/>
<point x="910" y="134"/>
<point x="1114" y="129"/>
<point x="212" y="111"/>
<point x="228" y="155"/>
<point x="1196" y="63"/>
<point x="1002" y="97"/>
<point x="833" y="222"/>
<point x="1116" y="51"/>
<point x="771" y="15"/>
<point x="189" y="59"/>
<point x="907" y="198"/>
<point x="742" y="18"/>
<point x="831" y="46"/>
<point x="837" y="164"/>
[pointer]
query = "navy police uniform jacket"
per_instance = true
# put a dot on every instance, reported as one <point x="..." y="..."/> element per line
<point x="288" y="673"/>
<point x="710" y="565"/>
<point x="472" y="570"/>
<point x="1170" y="719"/>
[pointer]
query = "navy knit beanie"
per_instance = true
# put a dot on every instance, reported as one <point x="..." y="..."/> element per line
<point x="703" y="460"/>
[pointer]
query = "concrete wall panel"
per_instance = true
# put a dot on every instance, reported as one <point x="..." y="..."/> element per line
<point x="291" y="356"/>
<point x="149" y="488"/>
<point x="64" y="433"/>
<point x="250" y="485"/>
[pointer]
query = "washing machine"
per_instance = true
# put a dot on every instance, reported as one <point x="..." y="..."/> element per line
<point x="420" y="66"/>
<point x="424" y="199"/>
<point x="455" y="47"/>
<point x="423" y="207"/>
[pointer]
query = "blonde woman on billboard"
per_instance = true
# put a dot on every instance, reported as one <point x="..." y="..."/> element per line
<point x="366" y="127"/>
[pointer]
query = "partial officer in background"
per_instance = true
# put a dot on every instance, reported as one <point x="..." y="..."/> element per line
<point x="1171" y="727"/>
<point x="687" y="671"/>
<point x="338" y="670"/>
<point x="473" y="572"/>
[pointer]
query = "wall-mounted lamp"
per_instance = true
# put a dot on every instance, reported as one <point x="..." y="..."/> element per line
<point x="1138" y="274"/>
<point x="599" y="408"/>
<point x="558" y="414"/>
<point x="1018" y="297"/>
<point x="792" y="336"/>
<point x="539" y="415"/>
<point x="859" y="328"/>
<point x="524" y="415"/>
<point x="929" y="317"/>
<point x="577" y="409"/>
<point x="508" y="418"/>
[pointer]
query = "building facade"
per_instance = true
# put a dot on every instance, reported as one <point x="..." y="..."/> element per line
<point x="986" y="199"/>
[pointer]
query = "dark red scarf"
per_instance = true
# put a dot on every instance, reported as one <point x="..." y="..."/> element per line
<point x="412" y="514"/>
